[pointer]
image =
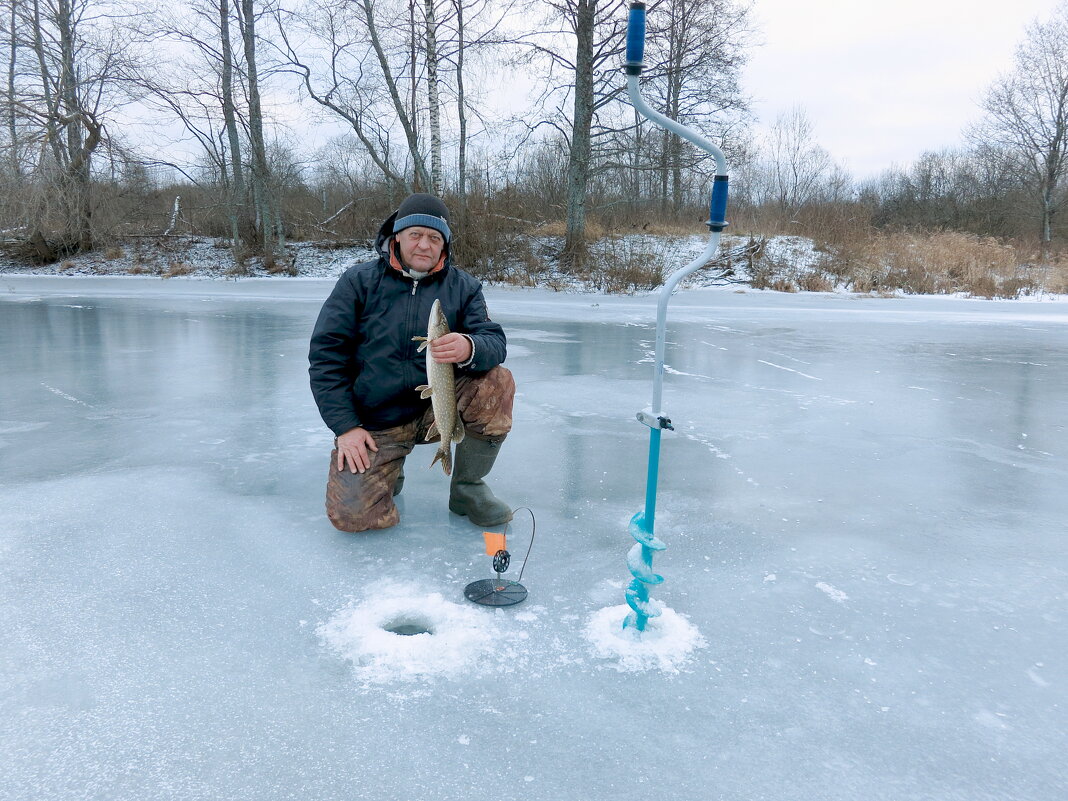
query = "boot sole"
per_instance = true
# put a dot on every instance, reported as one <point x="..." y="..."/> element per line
<point x="459" y="511"/>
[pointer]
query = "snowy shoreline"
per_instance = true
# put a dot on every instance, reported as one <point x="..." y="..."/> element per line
<point x="697" y="305"/>
<point x="208" y="262"/>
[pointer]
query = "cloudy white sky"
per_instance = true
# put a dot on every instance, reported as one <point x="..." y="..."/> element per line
<point x="883" y="80"/>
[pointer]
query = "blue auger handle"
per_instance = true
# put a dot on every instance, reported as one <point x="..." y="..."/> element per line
<point x="717" y="209"/>
<point x="635" y="38"/>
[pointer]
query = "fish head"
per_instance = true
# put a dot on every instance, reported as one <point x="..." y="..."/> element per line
<point x="438" y="325"/>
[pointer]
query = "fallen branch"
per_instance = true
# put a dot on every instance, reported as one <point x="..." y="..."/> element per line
<point x="174" y="214"/>
<point x="336" y="214"/>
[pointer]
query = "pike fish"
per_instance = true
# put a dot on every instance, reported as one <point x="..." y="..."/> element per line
<point x="442" y="392"/>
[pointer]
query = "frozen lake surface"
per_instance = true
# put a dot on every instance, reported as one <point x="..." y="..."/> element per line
<point x="864" y="505"/>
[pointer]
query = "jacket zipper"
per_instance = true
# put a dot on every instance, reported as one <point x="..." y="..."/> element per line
<point x="412" y="309"/>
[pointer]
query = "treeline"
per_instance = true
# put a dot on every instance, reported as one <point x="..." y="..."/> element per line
<point x="122" y="120"/>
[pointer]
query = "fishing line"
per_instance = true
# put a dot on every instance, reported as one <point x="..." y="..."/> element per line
<point x="533" y="531"/>
<point x="500" y="591"/>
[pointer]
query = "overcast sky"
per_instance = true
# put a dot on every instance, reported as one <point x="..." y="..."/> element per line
<point x="883" y="80"/>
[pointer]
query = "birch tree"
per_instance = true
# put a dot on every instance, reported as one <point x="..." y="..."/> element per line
<point x="433" y="98"/>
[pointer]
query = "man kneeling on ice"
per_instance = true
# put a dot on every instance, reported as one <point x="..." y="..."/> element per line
<point x="370" y="379"/>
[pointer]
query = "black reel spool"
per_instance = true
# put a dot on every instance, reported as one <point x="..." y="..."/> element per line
<point x="500" y="591"/>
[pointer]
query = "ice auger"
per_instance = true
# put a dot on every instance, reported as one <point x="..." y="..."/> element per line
<point x="640" y="556"/>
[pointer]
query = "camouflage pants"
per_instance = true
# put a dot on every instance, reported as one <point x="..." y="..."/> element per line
<point x="364" y="501"/>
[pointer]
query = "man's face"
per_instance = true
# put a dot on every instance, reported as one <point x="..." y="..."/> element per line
<point x="420" y="247"/>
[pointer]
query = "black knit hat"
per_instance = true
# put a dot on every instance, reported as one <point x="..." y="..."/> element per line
<point x="425" y="210"/>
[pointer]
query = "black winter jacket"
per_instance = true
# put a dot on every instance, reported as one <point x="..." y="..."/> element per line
<point x="364" y="366"/>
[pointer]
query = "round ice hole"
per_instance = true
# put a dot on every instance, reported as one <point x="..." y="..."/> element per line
<point x="408" y="627"/>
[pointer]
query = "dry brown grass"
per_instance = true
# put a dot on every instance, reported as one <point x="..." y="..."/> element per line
<point x="933" y="263"/>
<point x="280" y="266"/>
<point x="621" y="266"/>
<point x="654" y="228"/>
<point x="782" y="284"/>
<point x="1055" y="275"/>
<point x="176" y="268"/>
<point x="518" y="263"/>
<point x="594" y="230"/>
<point x="114" y="252"/>
<point x="916" y="262"/>
<point x="815" y="281"/>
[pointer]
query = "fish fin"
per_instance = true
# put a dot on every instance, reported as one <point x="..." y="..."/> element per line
<point x="422" y="347"/>
<point x="424" y="391"/>
<point x="431" y="432"/>
<point x="458" y="431"/>
<point x="444" y="455"/>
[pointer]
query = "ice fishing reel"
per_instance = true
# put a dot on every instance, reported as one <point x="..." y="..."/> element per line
<point x="500" y="591"/>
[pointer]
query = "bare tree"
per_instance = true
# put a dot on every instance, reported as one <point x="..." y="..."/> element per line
<point x="461" y="101"/>
<point x="195" y="84"/>
<point x="239" y="227"/>
<point x="353" y="63"/>
<point x="1027" y="113"/>
<point x="694" y="57"/>
<point x="268" y="212"/>
<point x="11" y="117"/>
<point x="67" y="63"/>
<point x="978" y="190"/>
<point x="583" y="45"/>
<point x="583" y="16"/>
<point x="387" y="69"/>
<point x="469" y="48"/>
<point x="791" y="169"/>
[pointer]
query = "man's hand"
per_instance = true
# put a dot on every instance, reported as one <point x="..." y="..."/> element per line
<point x="451" y="349"/>
<point x="352" y="447"/>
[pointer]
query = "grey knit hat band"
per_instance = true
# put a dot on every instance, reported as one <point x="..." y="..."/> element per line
<point x="425" y="220"/>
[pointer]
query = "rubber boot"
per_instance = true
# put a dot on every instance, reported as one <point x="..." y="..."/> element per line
<point x="468" y="493"/>
<point x="399" y="484"/>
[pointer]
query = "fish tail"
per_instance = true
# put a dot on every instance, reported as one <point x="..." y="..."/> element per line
<point x="444" y="455"/>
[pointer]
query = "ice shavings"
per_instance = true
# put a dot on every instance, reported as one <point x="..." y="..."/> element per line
<point x="459" y="637"/>
<point x="833" y="593"/>
<point x="667" y="643"/>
